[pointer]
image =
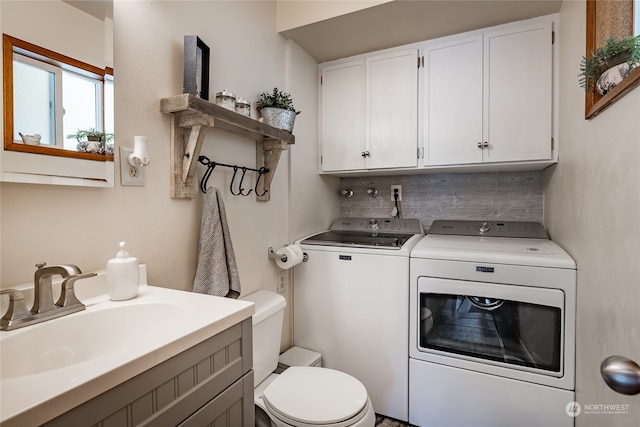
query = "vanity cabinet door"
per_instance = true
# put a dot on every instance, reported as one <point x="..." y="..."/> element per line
<point x="343" y="116"/>
<point x="231" y="408"/>
<point x="518" y="85"/>
<point x="453" y="102"/>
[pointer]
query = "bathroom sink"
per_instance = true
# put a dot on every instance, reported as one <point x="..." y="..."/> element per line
<point x="67" y="361"/>
<point x="81" y="337"/>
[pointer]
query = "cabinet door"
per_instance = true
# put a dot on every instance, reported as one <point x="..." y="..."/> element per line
<point x="343" y="116"/>
<point x="518" y="94"/>
<point x="234" y="407"/>
<point x="392" y="110"/>
<point x="453" y="102"/>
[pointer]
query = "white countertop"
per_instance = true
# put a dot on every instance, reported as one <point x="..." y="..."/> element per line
<point x="38" y="397"/>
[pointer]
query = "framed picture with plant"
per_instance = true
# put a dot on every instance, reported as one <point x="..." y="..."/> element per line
<point x="624" y="52"/>
<point x="604" y="19"/>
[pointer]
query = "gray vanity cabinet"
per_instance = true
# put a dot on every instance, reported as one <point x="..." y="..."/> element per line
<point x="206" y="385"/>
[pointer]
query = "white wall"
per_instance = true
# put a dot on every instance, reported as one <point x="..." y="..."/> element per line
<point x="82" y="226"/>
<point x="592" y="209"/>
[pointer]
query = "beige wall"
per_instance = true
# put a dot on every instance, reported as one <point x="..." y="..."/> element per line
<point x="312" y="209"/>
<point x="83" y="226"/>
<point x="292" y="14"/>
<point x="592" y="198"/>
<point x="592" y="209"/>
<point x="55" y="26"/>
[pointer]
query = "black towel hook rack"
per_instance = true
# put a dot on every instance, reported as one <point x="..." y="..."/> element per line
<point x="211" y="165"/>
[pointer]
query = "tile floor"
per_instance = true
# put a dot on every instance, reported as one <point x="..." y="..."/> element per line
<point x="389" y="422"/>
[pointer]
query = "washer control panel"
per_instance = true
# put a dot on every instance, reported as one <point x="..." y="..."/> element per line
<point x="530" y="230"/>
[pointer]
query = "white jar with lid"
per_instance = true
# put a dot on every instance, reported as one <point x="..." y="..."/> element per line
<point x="226" y="99"/>
<point x="243" y="107"/>
<point x="123" y="276"/>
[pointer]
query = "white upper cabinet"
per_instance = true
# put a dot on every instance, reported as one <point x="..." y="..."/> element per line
<point x="370" y="112"/>
<point x="453" y="102"/>
<point x="482" y="100"/>
<point x="488" y="98"/>
<point x="518" y="86"/>
<point x="343" y="116"/>
<point x="392" y="110"/>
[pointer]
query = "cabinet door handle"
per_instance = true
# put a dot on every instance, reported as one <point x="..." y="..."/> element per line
<point x="482" y="145"/>
<point x="364" y="153"/>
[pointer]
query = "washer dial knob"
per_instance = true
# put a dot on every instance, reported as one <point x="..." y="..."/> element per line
<point x="484" y="227"/>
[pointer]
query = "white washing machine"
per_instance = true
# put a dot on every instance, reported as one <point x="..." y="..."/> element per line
<point x="492" y="327"/>
<point x="351" y="304"/>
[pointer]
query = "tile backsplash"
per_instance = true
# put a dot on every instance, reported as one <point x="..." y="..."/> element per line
<point x="506" y="196"/>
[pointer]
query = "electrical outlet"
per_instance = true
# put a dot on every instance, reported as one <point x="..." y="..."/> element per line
<point x="393" y="190"/>
<point x="281" y="281"/>
<point x="130" y="175"/>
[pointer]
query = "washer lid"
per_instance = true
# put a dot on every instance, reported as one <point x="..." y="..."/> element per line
<point x="314" y="395"/>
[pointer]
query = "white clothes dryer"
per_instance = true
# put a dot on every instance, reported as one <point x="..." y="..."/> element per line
<point x="492" y="329"/>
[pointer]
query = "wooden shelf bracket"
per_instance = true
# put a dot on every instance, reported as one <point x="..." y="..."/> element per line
<point x="190" y="118"/>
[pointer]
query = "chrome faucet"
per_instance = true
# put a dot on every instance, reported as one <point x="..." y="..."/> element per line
<point x="43" y="309"/>
<point x="43" y="290"/>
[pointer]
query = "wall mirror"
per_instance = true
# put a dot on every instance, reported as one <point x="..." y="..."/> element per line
<point x="57" y="81"/>
<point x="617" y="18"/>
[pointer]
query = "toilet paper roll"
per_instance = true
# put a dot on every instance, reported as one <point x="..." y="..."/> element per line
<point x="294" y="256"/>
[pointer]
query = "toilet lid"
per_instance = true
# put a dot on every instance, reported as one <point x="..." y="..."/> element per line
<point x="313" y="395"/>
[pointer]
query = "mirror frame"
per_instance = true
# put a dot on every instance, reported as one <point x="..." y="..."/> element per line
<point x="11" y="44"/>
<point x="594" y="103"/>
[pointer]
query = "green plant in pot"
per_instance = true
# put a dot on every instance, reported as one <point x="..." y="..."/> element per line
<point x="277" y="110"/>
<point x="609" y="64"/>
<point x="93" y="141"/>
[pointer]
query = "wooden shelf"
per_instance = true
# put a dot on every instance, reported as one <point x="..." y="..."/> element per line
<point x="191" y="116"/>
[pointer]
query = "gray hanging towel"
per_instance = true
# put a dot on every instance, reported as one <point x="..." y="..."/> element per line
<point x="217" y="273"/>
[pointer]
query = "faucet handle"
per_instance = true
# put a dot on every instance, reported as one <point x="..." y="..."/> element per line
<point x="17" y="309"/>
<point x="67" y="294"/>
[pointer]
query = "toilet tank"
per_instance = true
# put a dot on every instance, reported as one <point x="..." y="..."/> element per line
<point x="267" y="332"/>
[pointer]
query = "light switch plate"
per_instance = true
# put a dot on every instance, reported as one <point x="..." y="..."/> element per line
<point x="130" y="175"/>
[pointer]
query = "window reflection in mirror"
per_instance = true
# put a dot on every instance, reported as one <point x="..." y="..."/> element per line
<point x="53" y="98"/>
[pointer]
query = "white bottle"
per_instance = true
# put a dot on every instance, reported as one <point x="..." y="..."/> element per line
<point x="122" y="276"/>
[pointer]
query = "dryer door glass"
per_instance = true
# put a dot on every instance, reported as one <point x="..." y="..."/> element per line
<point x="487" y="325"/>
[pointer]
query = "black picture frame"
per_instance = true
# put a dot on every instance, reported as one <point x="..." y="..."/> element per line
<point x="196" y="67"/>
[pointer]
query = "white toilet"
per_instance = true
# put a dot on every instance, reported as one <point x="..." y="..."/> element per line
<point x="301" y="395"/>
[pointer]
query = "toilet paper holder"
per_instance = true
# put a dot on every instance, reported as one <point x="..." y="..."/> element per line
<point x="272" y="254"/>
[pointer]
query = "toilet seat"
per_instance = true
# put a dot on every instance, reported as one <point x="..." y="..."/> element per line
<point x="312" y="396"/>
